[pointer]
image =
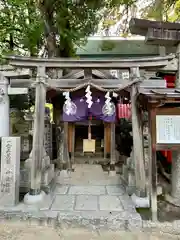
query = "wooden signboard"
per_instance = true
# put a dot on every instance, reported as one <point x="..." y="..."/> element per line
<point x="166" y="128"/>
<point x="164" y="133"/>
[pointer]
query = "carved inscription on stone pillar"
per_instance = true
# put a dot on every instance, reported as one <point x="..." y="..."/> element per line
<point x="10" y="170"/>
<point x="48" y="139"/>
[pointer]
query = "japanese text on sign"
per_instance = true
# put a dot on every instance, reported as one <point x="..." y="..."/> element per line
<point x="168" y="129"/>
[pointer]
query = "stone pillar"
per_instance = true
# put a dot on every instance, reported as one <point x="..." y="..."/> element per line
<point x="36" y="194"/>
<point x="10" y="171"/>
<point x="4" y="107"/>
<point x="174" y="197"/>
<point x="176" y="176"/>
<point x="129" y="175"/>
<point x="176" y="156"/>
<point x="48" y="137"/>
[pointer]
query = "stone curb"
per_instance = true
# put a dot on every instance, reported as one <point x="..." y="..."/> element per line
<point x="55" y="220"/>
<point x="163" y="227"/>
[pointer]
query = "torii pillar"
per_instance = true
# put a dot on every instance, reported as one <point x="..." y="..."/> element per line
<point x="36" y="195"/>
<point x="4" y="107"/>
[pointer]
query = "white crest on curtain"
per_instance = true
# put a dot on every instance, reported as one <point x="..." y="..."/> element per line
<point x="69" y="107"/>
<point x="108" y="109"/>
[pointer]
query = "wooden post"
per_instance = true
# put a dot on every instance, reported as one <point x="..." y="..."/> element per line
<point x="73" y="143"/>
<point x="105" y="152"/>
<point x="137" y="141"/>
<point x="141" y="126"/>
<point x="66" y="157"/>
<point x="152" y="168"/>
<point x="38" y="134"/>
<point x="107" y="140"/>
<point x="113" y="147"/>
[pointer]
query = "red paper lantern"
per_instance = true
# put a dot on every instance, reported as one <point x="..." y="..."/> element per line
<point x="170" y="80"/>
<point x="123" y="111"/>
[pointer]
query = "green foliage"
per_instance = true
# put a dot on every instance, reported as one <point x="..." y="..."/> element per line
<point x="19" y="102"/>
<point x="21" y="27"/>
<point x="30" y="26"/>
<point x="48" y="28"/>
<point x="56" y="27"/>
<point x="167" y="10"/>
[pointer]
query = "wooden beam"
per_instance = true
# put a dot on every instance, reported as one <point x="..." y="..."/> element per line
<point x="106" y="83"/>
<point x="80" y="74"/>
<point x="150" y="62"/>
<point x="16" y="73"/>
<point x="140" y="26"/>
<point x="21" y="83"/>
<point x="162" y="36"/>
<point x="172" y="66"/>
<point x="71" y="83"/>
<point x="17" y="91"/>
<point x="6" y="68"/>
<point x="109" y="83"/>
<point x="156" y="94"/>
<point x="87" y="73"/>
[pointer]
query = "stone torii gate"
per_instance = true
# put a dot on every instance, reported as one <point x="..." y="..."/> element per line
<point x="42" y="83"/>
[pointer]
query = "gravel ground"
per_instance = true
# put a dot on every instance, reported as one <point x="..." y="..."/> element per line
<point x="23" y="231"/>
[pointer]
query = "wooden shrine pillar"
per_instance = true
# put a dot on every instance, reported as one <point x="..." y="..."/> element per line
<point x="113" y="148"/>
<point x="107" y="139"/>
<point x="71" y="140"/>
<point x="138" y="152"/>
<point x="66" y="151"/>
<point x="152" y="163"/>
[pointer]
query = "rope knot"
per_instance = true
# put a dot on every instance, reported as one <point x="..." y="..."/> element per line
<point x="41" y="80"/>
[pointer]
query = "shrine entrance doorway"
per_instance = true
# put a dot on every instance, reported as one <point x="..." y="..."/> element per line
<point x="97" y="135"/>
<point x="100" y="134"/>
<point x="89" y="127"/>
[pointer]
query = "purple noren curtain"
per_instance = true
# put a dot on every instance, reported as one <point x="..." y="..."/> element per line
<point x="80" y="111"/>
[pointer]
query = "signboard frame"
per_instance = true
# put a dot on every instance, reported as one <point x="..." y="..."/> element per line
<point x="169" y="114"/>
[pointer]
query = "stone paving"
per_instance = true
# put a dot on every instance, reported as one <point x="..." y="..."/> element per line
<point x="84" y="203"/>
<point x="91" y="198"/>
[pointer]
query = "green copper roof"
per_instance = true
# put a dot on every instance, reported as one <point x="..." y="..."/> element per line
<point x="118" y="48"/>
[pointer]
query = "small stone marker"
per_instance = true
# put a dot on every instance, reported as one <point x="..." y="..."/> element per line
<point x="10" y="171"/>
